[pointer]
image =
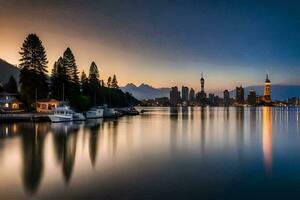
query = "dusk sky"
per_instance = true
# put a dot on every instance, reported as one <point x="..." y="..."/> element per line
<point x="163" y="43"/>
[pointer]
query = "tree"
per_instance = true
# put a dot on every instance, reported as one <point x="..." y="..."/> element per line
<point x="70" y="64"/>
<point x="33" y="69"/>
<point x="109" y="82"/>
<point x="94" y="76"/>
<point x="102" y="83"/>
<point x="60" y="81"/>
<point x="11" y="86"/>
<point x="84" y="83"/>
<point x="114" y="82"/>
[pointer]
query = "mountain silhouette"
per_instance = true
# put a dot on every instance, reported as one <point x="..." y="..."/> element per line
<point x="8" y="70"/>
<point x="145" y="91"/>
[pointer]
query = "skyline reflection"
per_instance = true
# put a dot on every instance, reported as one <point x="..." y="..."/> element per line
<point x="267" y="138"/>
<point x="44" y="160"/>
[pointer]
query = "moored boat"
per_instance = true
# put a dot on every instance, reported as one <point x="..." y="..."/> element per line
<point x="108" y="112"/>
<point x="95" y="113"/>
<point x="78" y="117"/>
<point x="62" y="114"/>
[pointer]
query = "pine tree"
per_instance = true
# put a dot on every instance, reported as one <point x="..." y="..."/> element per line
<point x="94" y="74"/>
<point x="109" y="82"/>
<point x="60" y="80"/>
<point x="114" y="83"/>
<point x="11" y="86"/>
<point x="33" y="69"/>
<point x="70" y="64"/>
<point x="84" y="83"/>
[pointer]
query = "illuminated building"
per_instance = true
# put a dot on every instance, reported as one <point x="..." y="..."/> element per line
<point x="267" y="90"/>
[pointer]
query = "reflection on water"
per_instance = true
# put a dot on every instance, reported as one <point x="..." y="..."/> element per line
<point x="33" y="141"/>
<point x="267" y="137"/>
<point x="65" y="138"/>
<point x="212" y="148"/>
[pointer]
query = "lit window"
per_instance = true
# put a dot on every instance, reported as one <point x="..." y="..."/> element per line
<point x="6" y="105"/>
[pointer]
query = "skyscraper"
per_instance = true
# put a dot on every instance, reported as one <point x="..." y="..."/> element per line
<point x="192" y="95"/>
<point x="267" y="90"/>
<point x="226" y="98"/>
<point x="185" y="93"/>
<point x="201" y="96"/>
<point x="251" y="98"/>
<point x="239" y="97"/>
<point x="174" y="96"/>
<point x="202" y="83"/>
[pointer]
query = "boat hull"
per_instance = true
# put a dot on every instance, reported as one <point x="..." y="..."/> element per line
<point x="94" y="114"/>
<point x="57" y="118"/>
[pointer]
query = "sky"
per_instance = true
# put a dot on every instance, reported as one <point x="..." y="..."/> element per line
<point x="166" y="42"/>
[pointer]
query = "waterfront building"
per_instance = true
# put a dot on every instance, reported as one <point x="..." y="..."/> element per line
<point x="226" y="97"/>
<point x="251" y="99"/>
<point x="9" y="102"/>
<point x="185" y="93"/>
<point x="213" y="100"/>
<point x="46" y="105"/>
<point x="267" y="90"/>
<point x="293" y="101"/>
<point x="162" y="101"/>
<point x="192" y="95"/>
<point x="174" y="96"/>
<point x="239" y="97"/>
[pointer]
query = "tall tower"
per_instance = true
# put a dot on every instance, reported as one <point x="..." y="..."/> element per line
<point x="267" y="90"/>
<point x="202" y="82"/>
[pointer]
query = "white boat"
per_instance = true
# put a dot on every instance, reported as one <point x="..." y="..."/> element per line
<point x="94" y="113"/>
<point x="62" y="114"/>
<point x="78" y="117"/>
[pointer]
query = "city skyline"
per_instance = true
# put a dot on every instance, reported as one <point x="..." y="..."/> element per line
<point x="144" y="42"/>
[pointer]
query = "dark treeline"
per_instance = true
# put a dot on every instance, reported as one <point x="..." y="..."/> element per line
<point x="64" y="83"/>
<point x="11" y="86"/>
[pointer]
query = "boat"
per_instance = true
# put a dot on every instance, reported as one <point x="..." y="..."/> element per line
<point x="128" y="111"/>
<point x="94" y="113"/>
<point x="108" y="112"/>
<point x="62" y="114"/>
<point x="78" y="117"/>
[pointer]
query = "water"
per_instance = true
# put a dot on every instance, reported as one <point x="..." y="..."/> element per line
<point x="166" y="153"/>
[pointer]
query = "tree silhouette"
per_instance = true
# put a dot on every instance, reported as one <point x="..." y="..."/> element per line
<point x="84" y="83"/>
<point x="114" y="82"/>
<point x="11" y="86"/>
<point x="59" y="79"/>
<point x="70" y="64"/>
<point x="109" y="82"/>
<point x="33" y="69"/>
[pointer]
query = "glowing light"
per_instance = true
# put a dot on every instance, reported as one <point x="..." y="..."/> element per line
<point x="267" y="138"/>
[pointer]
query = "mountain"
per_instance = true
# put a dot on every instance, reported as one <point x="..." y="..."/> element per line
<point x="278" y="92"/>
<point x="145" y="91"/>
<point x="8" y="70"/>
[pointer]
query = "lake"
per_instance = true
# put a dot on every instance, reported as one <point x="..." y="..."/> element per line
<point x="165" y="153"/>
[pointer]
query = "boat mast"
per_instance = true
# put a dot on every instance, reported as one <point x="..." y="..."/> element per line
<point x="63" y="92"/>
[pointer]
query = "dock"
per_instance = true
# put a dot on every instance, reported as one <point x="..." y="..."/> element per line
<point x="24" y="117"/>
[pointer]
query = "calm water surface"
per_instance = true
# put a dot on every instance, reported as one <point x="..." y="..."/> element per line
<point x="166" y="153"/>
